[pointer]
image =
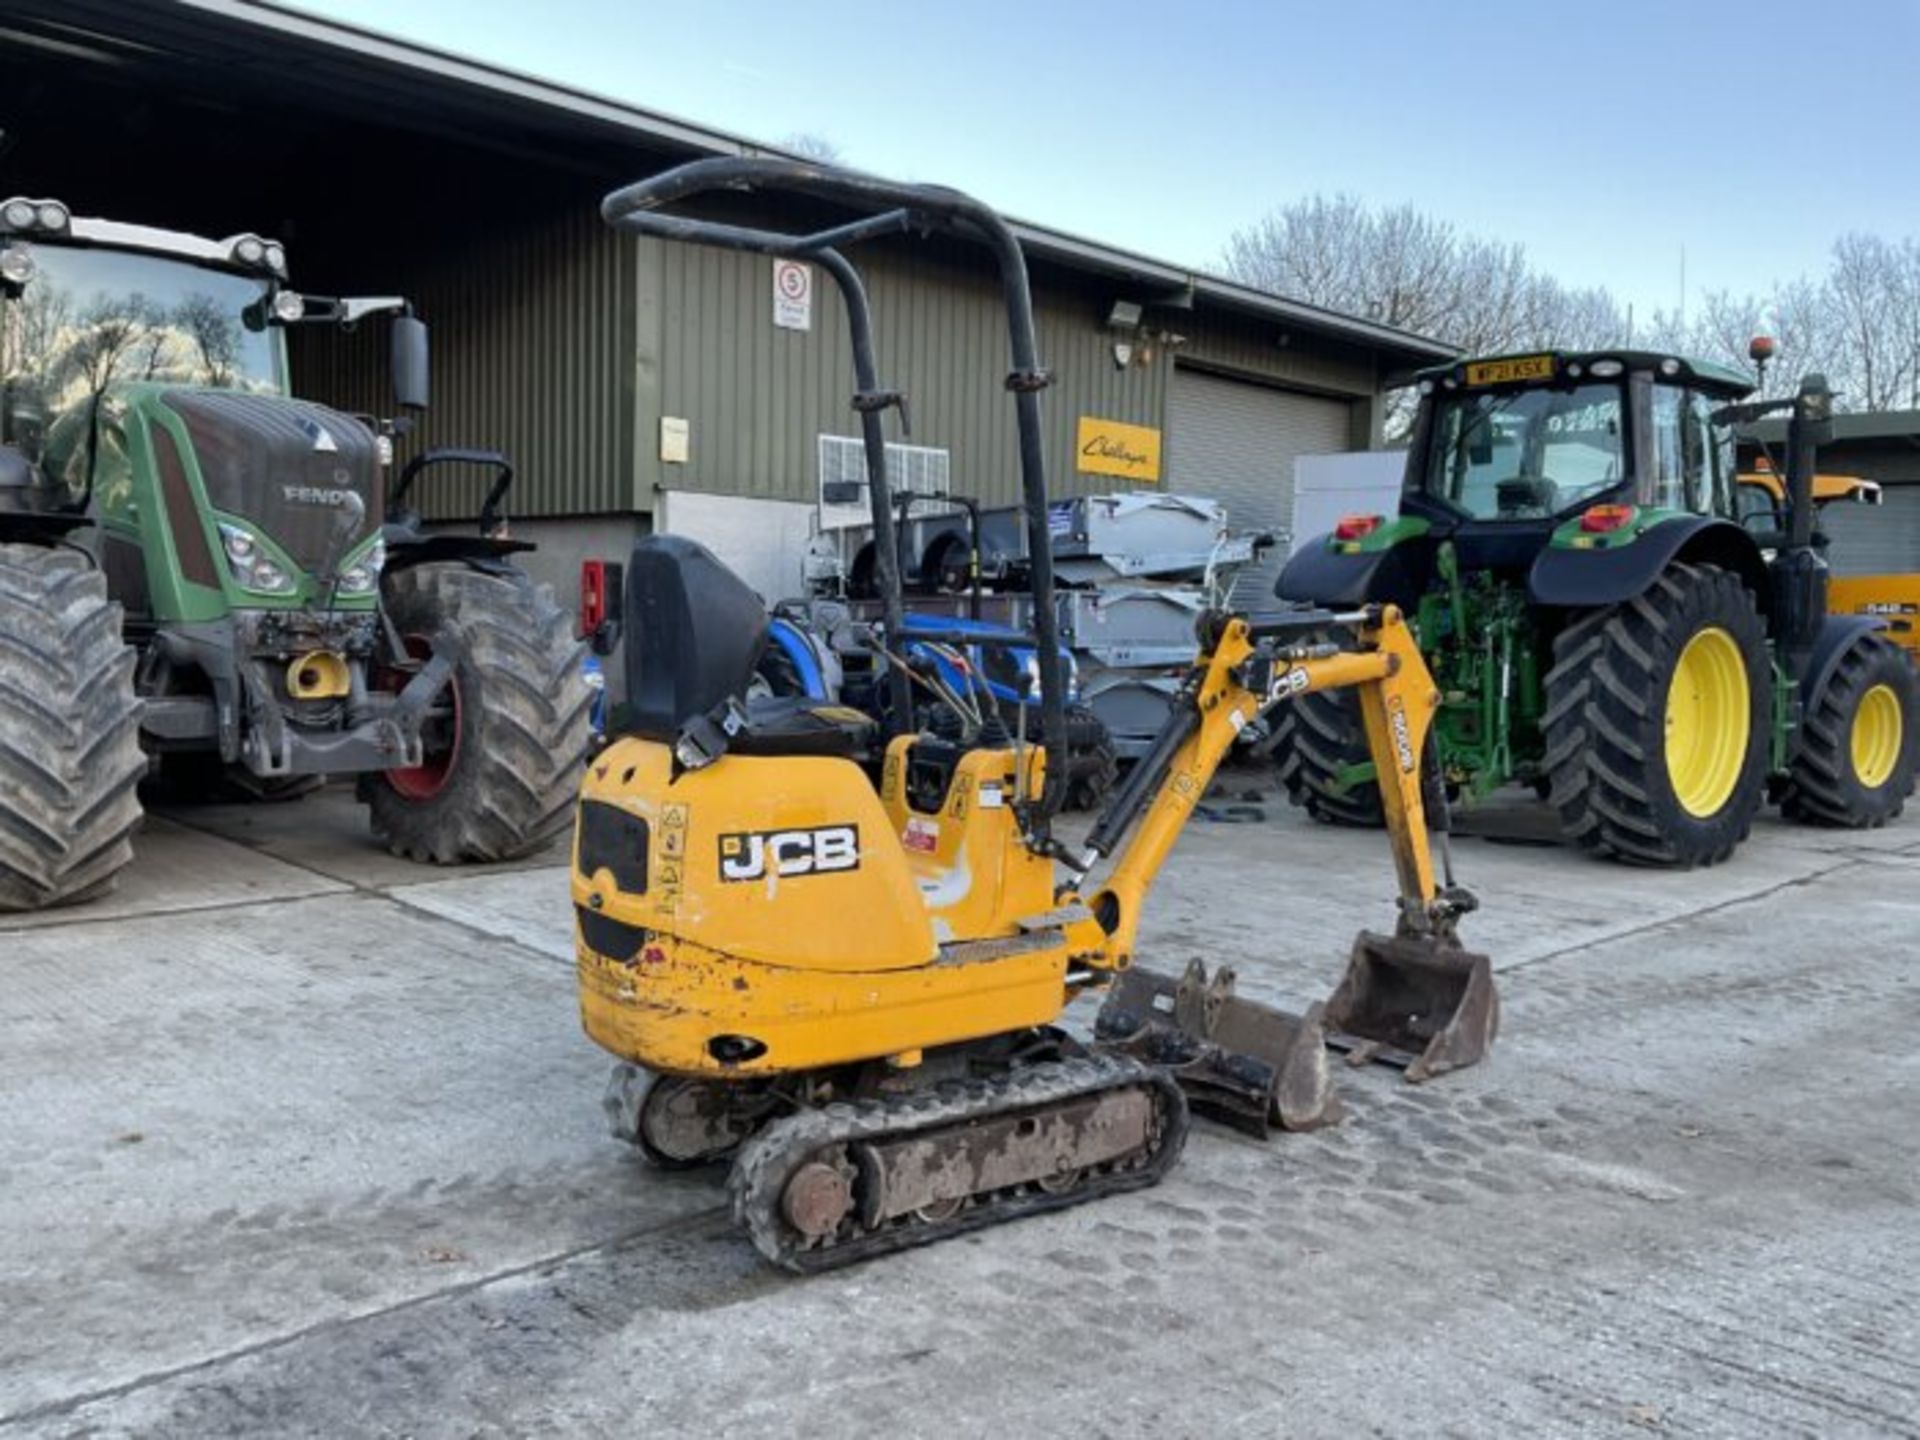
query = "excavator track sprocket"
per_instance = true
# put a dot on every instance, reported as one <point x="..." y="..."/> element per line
<point x="827" y="1187"/>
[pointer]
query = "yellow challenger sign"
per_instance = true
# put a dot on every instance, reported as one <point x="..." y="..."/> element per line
<point x="1503" y="372"/>
<point x="1107" y="447"/>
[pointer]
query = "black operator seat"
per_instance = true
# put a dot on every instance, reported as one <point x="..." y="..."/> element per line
<point x="694" y="633"/>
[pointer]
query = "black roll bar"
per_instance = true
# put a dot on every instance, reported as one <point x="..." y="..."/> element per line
<point x="494" y="460"/>
<point x="898" y="209"/>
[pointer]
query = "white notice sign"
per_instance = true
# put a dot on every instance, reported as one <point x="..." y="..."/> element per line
<point x="674" y="432"/>
<point x="792" y="295"/>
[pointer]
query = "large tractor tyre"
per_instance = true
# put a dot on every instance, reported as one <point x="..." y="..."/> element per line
<point x="1318" y="741"/>
<point x="1657" y="722"/>
<point x="506" y="740"/>
<point x="1853" y="766"/>
<point x="70" y="758"/>
<point x="1093" y="765"/>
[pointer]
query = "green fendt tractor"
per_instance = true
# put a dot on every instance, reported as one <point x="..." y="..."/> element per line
<point x="1601" y="625"/>
<point x="199" y="573"/>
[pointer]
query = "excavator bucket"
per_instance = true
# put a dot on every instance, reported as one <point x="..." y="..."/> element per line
<point x="1416" y="1001"/>
<point x="1248" y="1064"/>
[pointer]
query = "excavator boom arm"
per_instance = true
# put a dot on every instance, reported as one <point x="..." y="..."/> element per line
<point x="1397" y="700"/>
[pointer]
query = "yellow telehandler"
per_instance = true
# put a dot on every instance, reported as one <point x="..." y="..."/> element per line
<point x="1893" y="597"/>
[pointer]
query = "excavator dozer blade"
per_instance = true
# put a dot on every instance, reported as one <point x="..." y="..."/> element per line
<point x="1422" y="1003"/>
<point x="1242" y="1062"/>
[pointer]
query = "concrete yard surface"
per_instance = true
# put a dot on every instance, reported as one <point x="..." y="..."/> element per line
<point x="300" y="1140"/>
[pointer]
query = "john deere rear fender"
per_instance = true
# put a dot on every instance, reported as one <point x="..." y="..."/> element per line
<point x="1837" y="632"/>
<point x="1608" y="573"/>
<point x="1325" y="572"/>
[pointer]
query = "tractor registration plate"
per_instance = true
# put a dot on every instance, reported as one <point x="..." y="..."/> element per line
<point x="1501" y="372"/>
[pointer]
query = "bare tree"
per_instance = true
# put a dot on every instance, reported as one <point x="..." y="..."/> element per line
<point x="215" y="335"/>
<point x="1416" y="273"/>
<point x="110" y="334"/>
<point x="811" y="146"/>
<point x="1858" y="323"/>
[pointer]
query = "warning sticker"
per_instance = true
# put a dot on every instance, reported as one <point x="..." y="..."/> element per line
<point x="792" y="295"/>
<point x="920" y="835"/>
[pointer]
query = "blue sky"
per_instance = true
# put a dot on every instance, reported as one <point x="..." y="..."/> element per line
<point x="1606" y="137"/>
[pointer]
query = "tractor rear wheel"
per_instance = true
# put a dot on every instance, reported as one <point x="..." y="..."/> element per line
<point x="507" y="740"/>
<point x="1657" y="721"/>
<point x="1318" y="743"/>
<point x="1853" y="766"/>
<point x="70" y="758"/>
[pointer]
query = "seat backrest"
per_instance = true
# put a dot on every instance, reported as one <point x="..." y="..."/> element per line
<point x="695" y="631"/>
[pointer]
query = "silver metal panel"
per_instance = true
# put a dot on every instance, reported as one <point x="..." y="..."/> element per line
<point x="1237" y="442"/>
<point x="1132" y="625"/>
<point x="533" y="353"/>
<point x="1875" y="539"/>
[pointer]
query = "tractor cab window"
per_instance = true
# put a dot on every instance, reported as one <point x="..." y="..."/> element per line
<point x="1758" y="510"/>
<point x="1526" y="454"/>
<point x="1692" y="460"/>
<point x="1717" y="441"/>
<point x="88" y="319"/>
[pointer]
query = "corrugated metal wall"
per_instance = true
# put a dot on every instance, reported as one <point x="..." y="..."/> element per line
<point x="533" y="321"/>
<point x="564" y="344"/>
<point x="757" y="397"/>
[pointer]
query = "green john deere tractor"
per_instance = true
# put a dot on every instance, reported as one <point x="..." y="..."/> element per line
<point x="1601" y="625"/>
<point x="201" y="575"/>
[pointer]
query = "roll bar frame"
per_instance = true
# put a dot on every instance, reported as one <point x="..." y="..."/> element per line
<point x="893" y="208"/>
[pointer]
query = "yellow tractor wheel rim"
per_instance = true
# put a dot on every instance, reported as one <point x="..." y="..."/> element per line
<point x="1878" y="729"/>
<point x="1709" y="720"/>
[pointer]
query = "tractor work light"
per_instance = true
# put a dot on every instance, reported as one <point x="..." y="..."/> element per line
<point x="1605" y="519"/>
<point x="289" y="307"/>
<point x="16" y="264"/>
<point x="363" y="576"/>
<point x="255" y="253"/>
<point x="1607" y="369"/>
<point x="34" y="217"/>
<point x="248" y="563"/>
<point x="1357" y="527"/>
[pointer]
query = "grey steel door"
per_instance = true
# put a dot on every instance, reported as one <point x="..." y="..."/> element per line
<point x="1236" y="442"/>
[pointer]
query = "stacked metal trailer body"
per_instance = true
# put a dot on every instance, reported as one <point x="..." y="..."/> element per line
<point x="1132" y="571"/>
<point x="1141" y="565"/>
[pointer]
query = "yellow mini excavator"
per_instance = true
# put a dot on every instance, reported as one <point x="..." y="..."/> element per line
<point x="853" y="990"/>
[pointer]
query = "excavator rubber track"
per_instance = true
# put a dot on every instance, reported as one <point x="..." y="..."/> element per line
<point x="831" y="1186"/>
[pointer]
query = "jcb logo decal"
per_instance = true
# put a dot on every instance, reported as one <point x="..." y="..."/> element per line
<point x="754" y="855"/>
<point x="1287" y="683"/>
<point x="1402" y="737"/>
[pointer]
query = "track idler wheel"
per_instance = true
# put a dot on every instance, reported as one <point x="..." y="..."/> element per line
<point x="817" y="1199"/>
<point x="1250" y="1065"/>
<point x="680" y="1123"/>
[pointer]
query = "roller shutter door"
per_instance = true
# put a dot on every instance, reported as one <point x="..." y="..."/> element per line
<point x="1875" y="539"/>
<point x="1236" y="443"/>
